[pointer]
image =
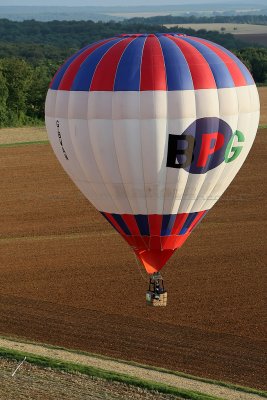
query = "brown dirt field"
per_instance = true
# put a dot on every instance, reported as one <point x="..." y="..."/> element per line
<point x="68" y="279"/>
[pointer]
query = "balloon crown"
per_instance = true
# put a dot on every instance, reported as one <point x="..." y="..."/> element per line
<point x="135" y="35"/>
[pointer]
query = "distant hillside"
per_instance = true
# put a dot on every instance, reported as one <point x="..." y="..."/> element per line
<point x="55" y="13"/>
<point x="107" y="13"/>
<point x="195" y="19"/>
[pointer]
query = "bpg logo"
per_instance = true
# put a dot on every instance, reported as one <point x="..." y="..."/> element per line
<point x="204" y="145"/>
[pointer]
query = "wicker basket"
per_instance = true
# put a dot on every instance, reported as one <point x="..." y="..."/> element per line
<point x="151" y="301"/>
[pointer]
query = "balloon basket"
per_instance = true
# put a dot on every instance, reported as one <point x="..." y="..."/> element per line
<point x="156" y="295"/>
<point x="160" y="302"/>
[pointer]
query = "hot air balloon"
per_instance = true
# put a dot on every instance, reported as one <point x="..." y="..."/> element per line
<point x="152" y="128"/>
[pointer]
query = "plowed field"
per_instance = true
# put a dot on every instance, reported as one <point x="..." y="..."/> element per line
<point x="68" y="279"/>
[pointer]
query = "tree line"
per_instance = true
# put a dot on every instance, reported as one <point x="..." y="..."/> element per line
<point x="76" y="34"/>
<point x="30" y="57"/>
<point x="23" y="89"/>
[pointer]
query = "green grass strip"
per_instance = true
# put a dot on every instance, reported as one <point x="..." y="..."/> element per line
<point x="69" y="367"/>
<point x="165" y="371"/>
<point x="228" y="385"/>
<point x="262" y="126"/>
<point x="17" y="144"/>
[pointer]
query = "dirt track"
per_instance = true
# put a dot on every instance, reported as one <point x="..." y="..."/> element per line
<point x="67" y="279"/>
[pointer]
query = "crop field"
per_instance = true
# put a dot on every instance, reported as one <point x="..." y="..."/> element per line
<point x="68" y="279"/>
<point x="35" y="382"/>
<point x="254" y="34"/>
<point x="25" y="134"/>
<point x="239" y="29"/>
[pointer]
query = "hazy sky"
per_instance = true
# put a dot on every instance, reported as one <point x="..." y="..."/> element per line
<point x="99" y="2"/>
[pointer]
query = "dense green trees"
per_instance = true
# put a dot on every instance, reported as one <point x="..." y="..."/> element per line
<point x="76" y="34"/>
<point x="17" y="74"/>
<point x="22" y="91"/>
<point x="31" y="52"/>
<point x="256" y="61"/>
<point x="3" y="99"/>
<point x="40" y="78"/>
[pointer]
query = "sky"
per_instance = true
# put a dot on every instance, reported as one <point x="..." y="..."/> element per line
<point x="100" y="2"/>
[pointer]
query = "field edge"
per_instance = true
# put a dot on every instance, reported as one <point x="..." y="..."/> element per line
<point x="69" y="367"/>
<point x="93" y="371"/>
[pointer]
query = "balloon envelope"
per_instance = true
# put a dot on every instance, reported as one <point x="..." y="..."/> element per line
<point x="152" y="129"/>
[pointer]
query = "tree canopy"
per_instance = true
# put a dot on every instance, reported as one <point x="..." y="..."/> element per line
<point x="31" y="52"/>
